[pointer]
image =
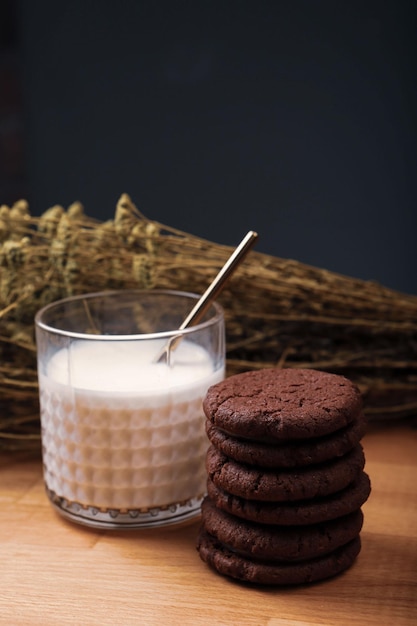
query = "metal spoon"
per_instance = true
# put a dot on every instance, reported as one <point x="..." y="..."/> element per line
<point x="211" y="293"/>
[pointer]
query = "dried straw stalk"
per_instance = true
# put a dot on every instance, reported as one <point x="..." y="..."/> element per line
<point x="279" y="313"/>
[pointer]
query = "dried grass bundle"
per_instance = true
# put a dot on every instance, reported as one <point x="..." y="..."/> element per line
<point x="278" y="312"/>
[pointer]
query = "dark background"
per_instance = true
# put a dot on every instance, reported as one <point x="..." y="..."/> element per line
<point x="295" y="118"/>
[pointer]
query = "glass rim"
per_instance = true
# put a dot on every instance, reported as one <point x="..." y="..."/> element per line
<point x="166" y="334"/>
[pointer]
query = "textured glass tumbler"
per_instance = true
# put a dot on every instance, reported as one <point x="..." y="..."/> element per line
<point x="123" y="436"/>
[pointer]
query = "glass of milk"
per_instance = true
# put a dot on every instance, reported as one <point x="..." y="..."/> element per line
<point x="123" y="434"/>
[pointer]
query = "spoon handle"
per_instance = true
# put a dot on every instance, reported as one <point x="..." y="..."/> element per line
<point x="219" y="282"/>
<point x="211" y="292"/>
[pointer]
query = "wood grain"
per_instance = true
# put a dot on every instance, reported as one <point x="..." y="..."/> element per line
<point x="53" y="572"/>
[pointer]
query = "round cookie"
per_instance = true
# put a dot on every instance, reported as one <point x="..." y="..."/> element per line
<point x="283" y="454"/>
<point x="284" y="543"/>
<point x="294" y="513"/>
<point x="229" y="563"/>
<point x="277" y="404"/>
<point x="255" y="483"/>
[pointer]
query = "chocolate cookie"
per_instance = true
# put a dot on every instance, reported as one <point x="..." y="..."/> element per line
<point x="298" y="513"/>
<point x="256" y="483"/>
<point x="283" y="454"/>
<point x="277" y="404"/>
<point x="283" y="543"/>
<point x="229" y="563"/>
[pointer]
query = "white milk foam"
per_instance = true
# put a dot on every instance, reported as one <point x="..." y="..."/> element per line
<point x="121" y="431"/>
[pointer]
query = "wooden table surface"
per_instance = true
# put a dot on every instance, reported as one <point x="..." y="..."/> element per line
<point x="53" y="572"/>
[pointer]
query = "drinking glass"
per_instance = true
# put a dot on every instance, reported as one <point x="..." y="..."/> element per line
<point x="123" y="435"/>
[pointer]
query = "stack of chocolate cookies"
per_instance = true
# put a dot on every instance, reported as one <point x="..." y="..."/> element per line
<point x="286" y="478"/>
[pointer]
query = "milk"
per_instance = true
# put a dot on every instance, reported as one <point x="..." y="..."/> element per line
<point x="121" y="431"/>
